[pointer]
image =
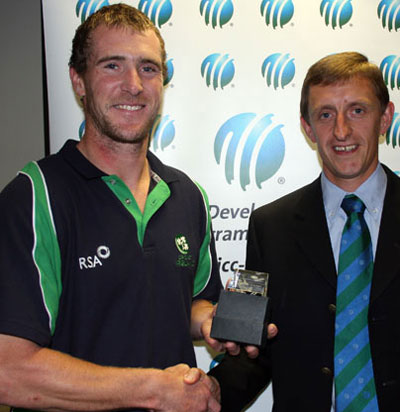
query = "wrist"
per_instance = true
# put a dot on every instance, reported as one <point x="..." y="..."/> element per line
<point x="146" y="386"/>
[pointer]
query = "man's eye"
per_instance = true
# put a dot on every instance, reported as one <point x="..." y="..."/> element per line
<point x="325" y="115"/>
<point x="358" y="110"/>
<point x="112" y="66"/>
<point x="150" y="69"/>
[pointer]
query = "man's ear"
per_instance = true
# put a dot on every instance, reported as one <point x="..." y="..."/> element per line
<point x="77" y="83"/>
<point x="386" y="118"/>
<point x="307" y="129"/>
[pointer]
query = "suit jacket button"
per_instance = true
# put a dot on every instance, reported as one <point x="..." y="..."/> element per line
<point x="326" y="371"/>
<point x="332" y="308"/>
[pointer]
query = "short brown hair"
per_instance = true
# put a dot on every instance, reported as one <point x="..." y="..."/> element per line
<point x="117" y="15"/>
<point x="340" y="67"/>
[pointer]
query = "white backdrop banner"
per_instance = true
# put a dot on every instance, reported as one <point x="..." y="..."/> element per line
<point x="230" y="116"/>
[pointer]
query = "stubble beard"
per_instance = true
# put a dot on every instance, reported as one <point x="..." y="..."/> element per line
<point x="113" y="132"/>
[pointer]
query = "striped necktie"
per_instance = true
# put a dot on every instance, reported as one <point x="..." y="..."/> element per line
<point x="354" y="378"/>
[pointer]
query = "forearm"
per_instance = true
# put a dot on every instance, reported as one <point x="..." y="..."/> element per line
<point x="40" y="378"/>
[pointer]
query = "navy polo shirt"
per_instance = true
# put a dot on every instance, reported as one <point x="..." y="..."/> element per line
<point x="85" y="272"/>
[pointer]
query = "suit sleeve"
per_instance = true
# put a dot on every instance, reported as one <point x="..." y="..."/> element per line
<point x="242" y="379"/>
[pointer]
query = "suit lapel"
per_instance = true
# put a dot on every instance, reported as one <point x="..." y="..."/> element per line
<point x="311" y="231"/>
<point x="387" y="262"/>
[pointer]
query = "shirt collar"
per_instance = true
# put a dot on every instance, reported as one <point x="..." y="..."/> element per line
<point x="79" y="162"/>
<point x="371" y="192"/>
<point x="88" y="170"/>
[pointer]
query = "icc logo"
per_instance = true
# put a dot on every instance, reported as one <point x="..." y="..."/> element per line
<point x="87" y="7"/>
<point x="277" y="12"/>
<point x="218" y="69"/>
<point x="254" y="146"/>
<point x="162" y="132"/>
<point x="393" y="133"/>
<point x="158" y="11"/>
<point x="336" y="12"/>
<point x="390" y="68"/>
<point x="278" y="69"/>
<point x="389" y="13"/>
<point x="81" y="130"/>
<point x="218" y="11"/>
<point x="170" y="72"/>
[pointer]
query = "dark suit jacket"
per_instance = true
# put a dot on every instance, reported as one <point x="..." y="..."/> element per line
<point x="289" y="238"/>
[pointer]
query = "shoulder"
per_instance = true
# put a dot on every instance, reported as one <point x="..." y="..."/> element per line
<point x="393" y="178"/>
<point x="33" y="169"/>
<point x="392" y="196"/>
<point x="16" y="195"/>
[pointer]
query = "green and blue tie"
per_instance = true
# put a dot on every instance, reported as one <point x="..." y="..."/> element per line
<point x="354" y="378"/>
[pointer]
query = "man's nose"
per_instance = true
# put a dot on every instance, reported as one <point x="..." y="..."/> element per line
<point x="132" y="81"/>
<point x="342" y="127"/>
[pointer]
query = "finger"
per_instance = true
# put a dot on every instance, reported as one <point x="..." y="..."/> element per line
<point x="232" y="348"/>
<point x="272" y="330"/>
<point x="214" y="311"/>
<point x="214" y="344"/>
<point x="213" y="405"/>
<point x="211" y="385"/>
<point x="206" y="328"/>
<point x="252" y="351"/>
<point x="215" y="388"/>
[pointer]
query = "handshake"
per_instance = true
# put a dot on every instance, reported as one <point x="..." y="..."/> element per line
<point x="185" y="389"/>
<point x="190" y="389"/>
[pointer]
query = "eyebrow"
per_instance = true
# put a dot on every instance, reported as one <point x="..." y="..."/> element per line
<point x="108" y="58"/>
<point x="329" y="106"/>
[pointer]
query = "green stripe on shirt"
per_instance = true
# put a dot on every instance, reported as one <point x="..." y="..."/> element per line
<point x="204" y="266"/>
<point x="46" y="251"/>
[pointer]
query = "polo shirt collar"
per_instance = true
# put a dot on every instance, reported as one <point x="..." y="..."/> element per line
<point x="88" y="170"/>
<point x="166" y="173"/>
<point x="79" y="162"/>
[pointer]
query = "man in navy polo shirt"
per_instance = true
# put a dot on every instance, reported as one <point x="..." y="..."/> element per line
<point x="107" y="259"/>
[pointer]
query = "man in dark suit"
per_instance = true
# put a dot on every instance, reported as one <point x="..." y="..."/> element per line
<point x="345" y="107"/>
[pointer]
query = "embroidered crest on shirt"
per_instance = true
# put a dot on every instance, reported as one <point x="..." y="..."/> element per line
<point x="182" y="244"/>
<point x="185" y="258"/>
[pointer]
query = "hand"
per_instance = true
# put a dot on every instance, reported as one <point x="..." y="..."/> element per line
<point x="253" y="351"/>
<point x="187" y="389"/>
<point x="194" y="375"/>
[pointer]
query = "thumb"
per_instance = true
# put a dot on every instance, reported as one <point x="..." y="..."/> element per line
<point x="192" y="376"/>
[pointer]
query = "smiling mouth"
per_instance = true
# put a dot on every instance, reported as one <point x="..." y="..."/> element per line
<point x="345" y="148"/>
<point x="129" y="107"/>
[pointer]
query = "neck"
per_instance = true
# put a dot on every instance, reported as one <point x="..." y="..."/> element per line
<point x="351" y="184"/>
<point x="128" y="161"/>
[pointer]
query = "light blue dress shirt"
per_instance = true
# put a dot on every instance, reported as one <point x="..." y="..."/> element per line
<point x="372" y="193"/>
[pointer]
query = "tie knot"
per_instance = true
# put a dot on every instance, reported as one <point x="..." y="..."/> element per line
<point x="352" y="203"/>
